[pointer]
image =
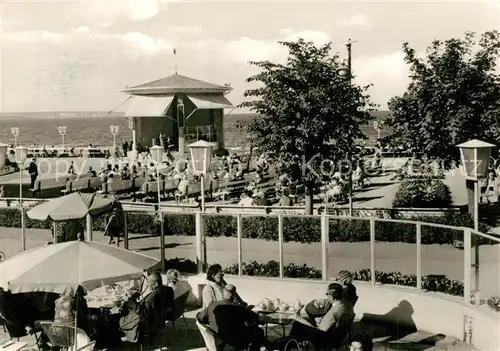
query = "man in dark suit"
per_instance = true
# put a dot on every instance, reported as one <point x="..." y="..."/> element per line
<point x="33" y="171"/>
<point x="236" y="326"/>
<point x="156" y="306"/>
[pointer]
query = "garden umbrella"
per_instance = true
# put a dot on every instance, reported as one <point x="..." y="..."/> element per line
<point x="63" y="267"/>
<point x="73" y="206"/>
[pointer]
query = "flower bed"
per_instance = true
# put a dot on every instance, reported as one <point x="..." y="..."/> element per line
<point x="433" y="283"/>
<point x="296" y="229"/>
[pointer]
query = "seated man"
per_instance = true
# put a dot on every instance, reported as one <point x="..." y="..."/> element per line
<point x="330" y="330"/>
<point x="236" y="326"/>
<point x="129" y="323"/>
<point x="156" y="306"/>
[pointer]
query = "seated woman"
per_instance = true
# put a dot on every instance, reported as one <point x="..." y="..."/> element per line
<point x="213" y="290"/>
<point x="180" y="287"/>
<point x="69" y="303"/>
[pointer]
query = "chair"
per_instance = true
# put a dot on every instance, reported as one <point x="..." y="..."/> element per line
<point x="178" y="310"/>
<point x="2" y="321"/>
<point x="209" y="336"/>
<point x="63" y="335"/>
<point x="88" y="347"/>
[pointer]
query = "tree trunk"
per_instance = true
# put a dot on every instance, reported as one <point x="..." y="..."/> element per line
<point x="309" y="199"/>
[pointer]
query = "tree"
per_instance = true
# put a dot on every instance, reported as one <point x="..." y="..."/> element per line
<point x="453" y="96"/>
<point x="309" y="116"/>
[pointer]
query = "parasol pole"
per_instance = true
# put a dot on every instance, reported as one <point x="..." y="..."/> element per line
<point x="76" y="319"/>
<point x="54" y="230"/>
<point x="76" y="328"/>
<point x="90" y="235"/>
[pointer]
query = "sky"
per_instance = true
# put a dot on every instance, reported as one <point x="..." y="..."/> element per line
<point x="77" y="56"/>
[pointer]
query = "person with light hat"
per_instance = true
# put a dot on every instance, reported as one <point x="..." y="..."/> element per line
<point x="345" y="278"/>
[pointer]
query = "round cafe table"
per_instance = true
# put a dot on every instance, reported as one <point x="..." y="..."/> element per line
<point x="278" y="318"/>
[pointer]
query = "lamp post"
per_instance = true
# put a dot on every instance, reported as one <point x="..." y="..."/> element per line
<point x="21" y="155"/>
<point x="378" y="127"/>
<point x="157" y="155"/>
<point x="201" y="158"/>
<point x="346" y="72"/>
<point x="475" y="155"/>
<point x="15" y="133"/>
<point x="62" y="133"/>
<point x="114" y="130"/>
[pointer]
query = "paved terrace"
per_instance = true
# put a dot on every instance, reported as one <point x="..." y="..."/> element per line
<point x="386" y="338"/>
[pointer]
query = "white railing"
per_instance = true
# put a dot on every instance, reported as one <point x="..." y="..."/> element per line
<point x="471" y="272"/>
<point x="466" y="236"/>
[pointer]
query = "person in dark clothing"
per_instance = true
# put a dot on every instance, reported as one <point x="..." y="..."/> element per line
<point x="33" y="171"/>
<point x="114" y="226"/>
<point x="125" y="147"/>
<point x="156" y="306"/>
<point x="22" y="311"/>
<point x="235" y="325"/>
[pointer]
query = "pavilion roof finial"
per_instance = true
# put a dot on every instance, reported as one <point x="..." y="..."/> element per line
<point x="176" y="66"/>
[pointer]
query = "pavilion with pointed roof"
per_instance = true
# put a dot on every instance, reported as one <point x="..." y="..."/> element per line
<point x="182" y="108"/>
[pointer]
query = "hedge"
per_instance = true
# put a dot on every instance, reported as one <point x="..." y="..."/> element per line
<point x="435" y="283"/>
<point x="295" y="229"/>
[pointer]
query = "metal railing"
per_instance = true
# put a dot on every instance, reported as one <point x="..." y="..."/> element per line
<point x="471" y="291"/>
<point x="479" y="249"/>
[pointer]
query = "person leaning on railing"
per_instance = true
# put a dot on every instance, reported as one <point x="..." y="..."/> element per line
<point x="215" y="285"/>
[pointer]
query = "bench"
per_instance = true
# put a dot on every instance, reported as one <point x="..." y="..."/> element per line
<point x="85" y="184"/>
<point x="47" y="184"/>
<point x="118" y="187"/>
<point x="151" y="187"/>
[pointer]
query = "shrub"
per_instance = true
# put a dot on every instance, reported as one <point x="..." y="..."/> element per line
<point x="426" y="193"/>
<point x="435" y="283"/>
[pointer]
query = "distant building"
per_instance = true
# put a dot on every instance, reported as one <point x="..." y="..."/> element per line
<point x="183" y="108"/>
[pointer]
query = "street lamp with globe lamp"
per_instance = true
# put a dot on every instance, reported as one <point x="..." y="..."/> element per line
<point x="475" y="156"/>
<point x="62" y="132"/>
<point x="15" y="133"/>
<point x="157" y="155"/>
<point x="345" y="71"/>
<point x="21" y="155"/>
<point x="114" y="130"/>
<point x="201" y="158"/>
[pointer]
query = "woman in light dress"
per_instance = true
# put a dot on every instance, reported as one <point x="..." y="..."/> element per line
<point x="215" y="283"/>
